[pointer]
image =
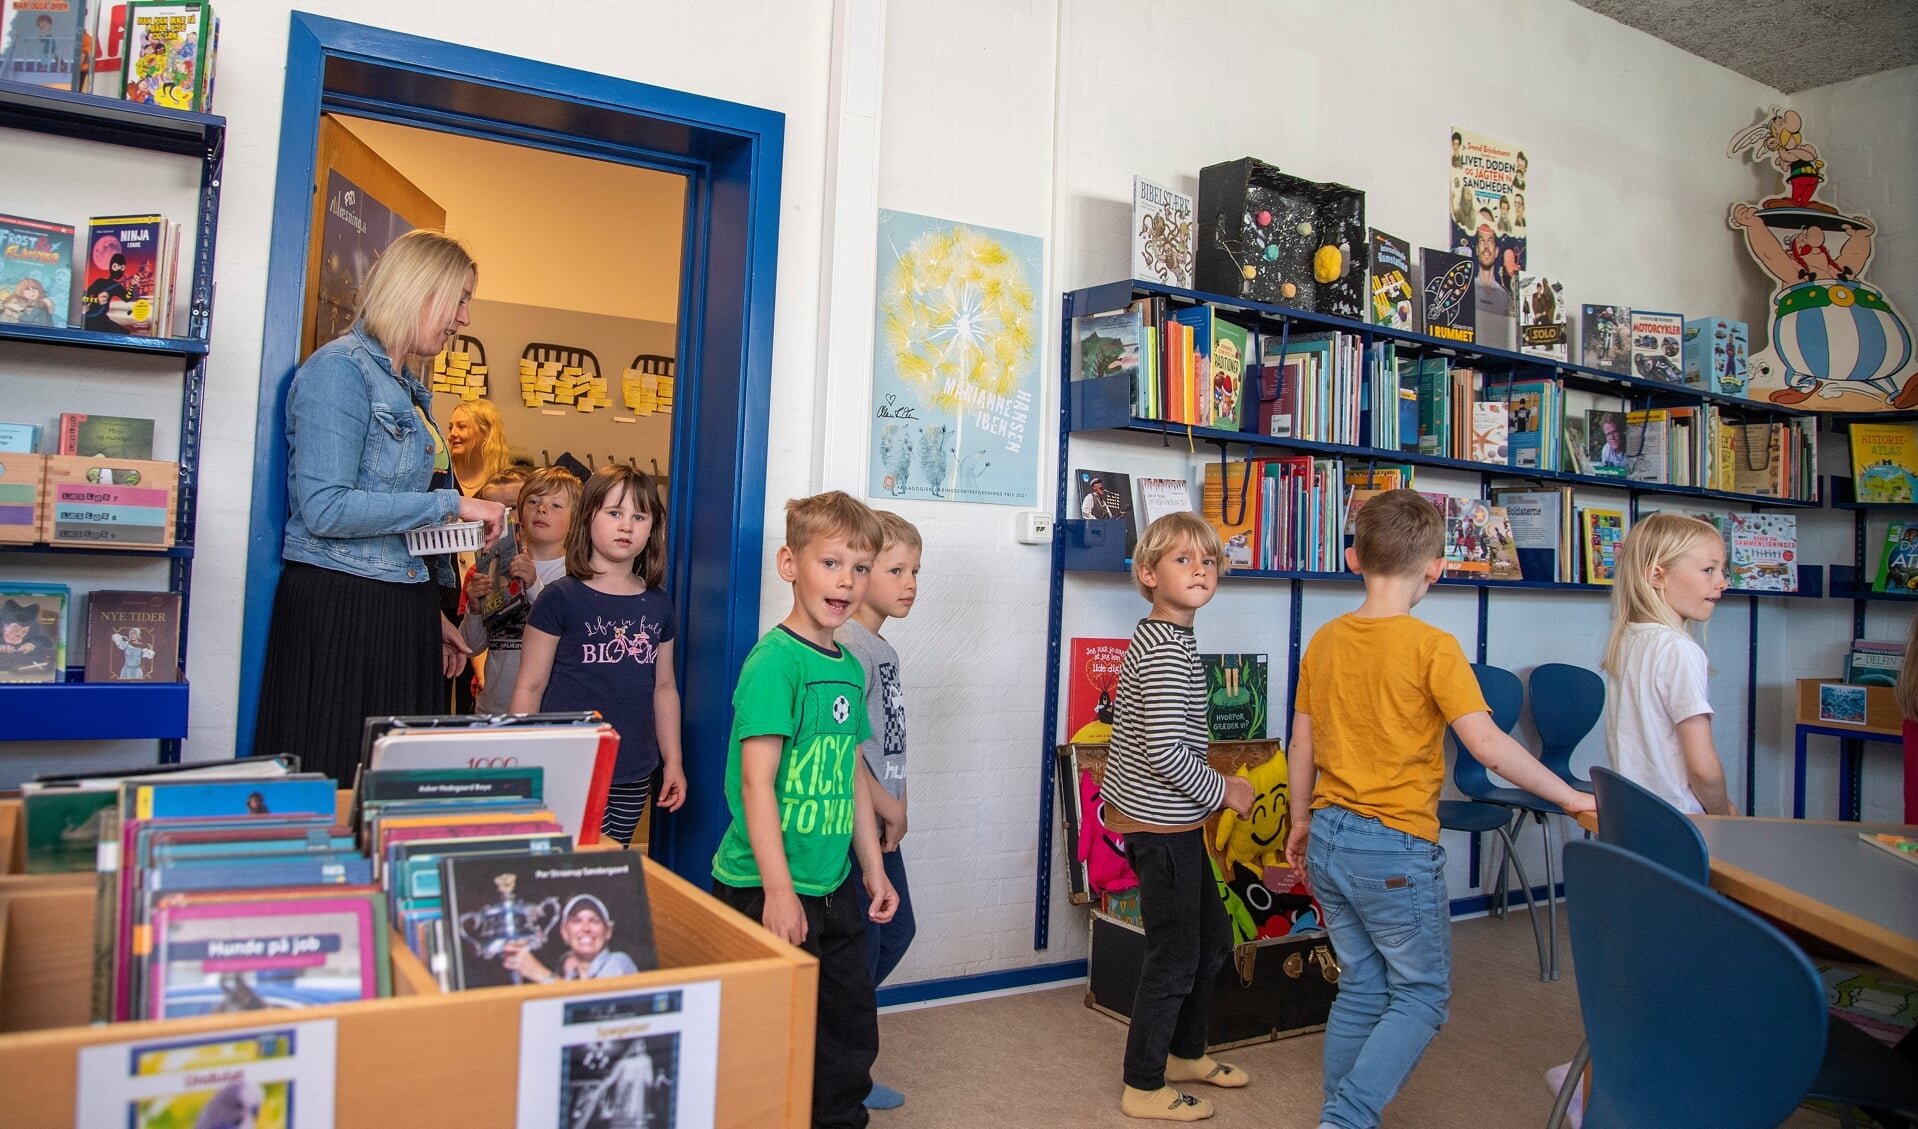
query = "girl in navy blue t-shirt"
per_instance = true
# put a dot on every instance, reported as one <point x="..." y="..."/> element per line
<point x="601" y="638"/>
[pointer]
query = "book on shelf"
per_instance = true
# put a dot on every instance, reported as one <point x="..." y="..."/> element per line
<point x="1534" y="420"/>
<point x="1761" y="551"/>
<point x="1395" y="300"/>
<point x="18" y="439"/>
<point x="1300" y="504"/>
<point x="1606" y="443"/>
<point x="1898" y="563"/>
<point x="1231" y="346"/>
<point x="1600" y="531"/>
<point x="1658" y="345"/>
<point x="1165" y="234"/>
<point x="171" y="51"/>
<point x="1479" y="541"/>
<point x="43" y="42"/>
<point x="33" y="632"/>
<point x="1225" y="501"/>
<point x="1605" y="338"/>
<point x="1717" y="355"/>
<point x="1575" y="456"/>
<point x="1541" y="524"/>
<point x="1448" y="308"/>
<point x="106" y="437"/>
<point x="1106" y="495"/>
<point x="1542" y="323"/>
<point x="129" y="262"/>
<point x="36" y="271"/>
<point x="1884" y="461"/>
<point x="1647" y="436"/>
<point x="1490" y="423"/>
<point x="1874" y="663"/>
<point x="1236" y="707"/>
<point x="1161" y="496"/>
<point x="133" y="636"/>
<point x="1312" y="385"/>
<point x="487" y="896"/>
<point x="1092" y="685"/>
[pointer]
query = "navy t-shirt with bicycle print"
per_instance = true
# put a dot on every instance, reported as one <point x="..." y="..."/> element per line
<point x="606" y="661"/>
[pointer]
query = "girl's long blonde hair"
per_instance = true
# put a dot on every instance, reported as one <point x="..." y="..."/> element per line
<point x="1655" y="541"/>
<point x="1908" y="676"/>
<point x="494" y="455"/>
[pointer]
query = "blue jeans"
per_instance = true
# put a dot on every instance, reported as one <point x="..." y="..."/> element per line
<point x="886" y="944"/>
<point x="1386" y="911"/>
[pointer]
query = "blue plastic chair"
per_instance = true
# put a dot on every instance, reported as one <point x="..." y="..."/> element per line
<point x="1506" y="697"/>
<point x="1567" y="702"/>
<point x="1698" y="1013"/>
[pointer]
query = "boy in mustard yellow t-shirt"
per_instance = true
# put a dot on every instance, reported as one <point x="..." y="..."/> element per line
<point x="1376" y="691"/>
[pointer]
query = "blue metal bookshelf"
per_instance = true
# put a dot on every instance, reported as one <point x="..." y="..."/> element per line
<point x="1104" y="406"/>
<point x="74" y="710"/>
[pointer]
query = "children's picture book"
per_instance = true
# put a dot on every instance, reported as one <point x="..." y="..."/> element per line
<point x="1490" y="424"/>
<point x="1884" y="462"/>
<point x="1471" y="538"/>
<point x="1502" y="546"/>
<point x="1716" y="355"/>
<point x="1092" y="682"/>
<point x="1448" y="308"/>
<point x="33" y="632"/>
<point x="245" y="955"/>
<point x="1165" y="234"/>
<point x="170" y="54"/>
<point x="133" y="636"/>
<point x="1898" y="564"/>
<point x="1600" y="531"/>
<point x="1577" y="454"/>
<point x="1658" y="346"/>
<point x="506" y="600"/>
<point x="36" y="272"/>
<point x="106" y="437"/>
<point x="257" y="1076"/>
<point x="1606" y="445"/>
<point x="528" y="919"/>
<point x="1542" y="318"/>
<point x="1231" y="346"/>
<point x="1841" y="704"/>
<point x="1236" y="707"/>
<point x="1605" y="338"/>
<point x="1761" y="551"/>
<point x="43" y="42"/>
<point x="1106" y="345"/>
<point x="1161" y="496"/>
<point x="1395" y="300"/>
<point x="1224" y="501"/>
<point x="1106" y="495"/>
<point x="124" y="274"/>
<point x="1873" y="663"/>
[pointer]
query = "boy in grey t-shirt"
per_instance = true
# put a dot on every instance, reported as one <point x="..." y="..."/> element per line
<point x="889" y="594"/>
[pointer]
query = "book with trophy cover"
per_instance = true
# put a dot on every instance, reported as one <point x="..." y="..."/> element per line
<point x="539" y="918"/>
<point x="133" y="637"/>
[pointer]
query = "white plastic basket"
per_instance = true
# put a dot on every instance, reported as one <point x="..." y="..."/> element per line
<point x="453" y="537"/>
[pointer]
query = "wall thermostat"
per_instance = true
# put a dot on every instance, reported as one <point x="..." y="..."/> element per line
<point x="1035" y="528"/>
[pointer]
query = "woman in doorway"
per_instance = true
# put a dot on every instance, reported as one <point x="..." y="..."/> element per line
<point x="476" y="449"/>
<point x="356" y="629"/>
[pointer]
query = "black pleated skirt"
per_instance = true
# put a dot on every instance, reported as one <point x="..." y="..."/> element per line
<point x="343" y="648"/>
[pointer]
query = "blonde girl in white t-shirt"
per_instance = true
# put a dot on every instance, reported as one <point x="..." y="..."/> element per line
<point x="1658" y="715"/>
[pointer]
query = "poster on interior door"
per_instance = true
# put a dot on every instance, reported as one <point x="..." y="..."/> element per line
<point x="1488" y="207"/>
<point x="356" y="230"/>
<point x="955" y="390"/>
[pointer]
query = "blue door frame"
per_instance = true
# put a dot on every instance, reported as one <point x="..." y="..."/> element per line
<point x="731" y="155"/>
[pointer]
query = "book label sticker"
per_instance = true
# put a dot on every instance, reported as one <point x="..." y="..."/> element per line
<point x="648" y="1057"/>
<point x="277" y="1075"/>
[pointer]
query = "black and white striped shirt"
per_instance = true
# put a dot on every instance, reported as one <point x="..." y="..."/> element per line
<point x="1156" y="771"/>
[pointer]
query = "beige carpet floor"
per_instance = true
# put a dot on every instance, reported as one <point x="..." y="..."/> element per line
<point x="1044" y="1060"/>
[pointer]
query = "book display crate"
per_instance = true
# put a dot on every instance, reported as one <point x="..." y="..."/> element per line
<point x="446" y="1059"/>
<point x="31" y="118"/>
<point x="1103" y="409"/>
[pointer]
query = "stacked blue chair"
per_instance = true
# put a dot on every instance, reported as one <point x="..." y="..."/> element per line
<point x="1567" y="701"/>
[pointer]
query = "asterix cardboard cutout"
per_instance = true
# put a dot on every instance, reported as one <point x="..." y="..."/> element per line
<point x="1836" y="343"/>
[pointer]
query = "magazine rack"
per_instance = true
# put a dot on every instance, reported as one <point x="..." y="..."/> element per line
<point x="447" y="1059"/>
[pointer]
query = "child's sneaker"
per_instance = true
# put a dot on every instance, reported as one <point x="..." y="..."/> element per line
<point x="884" y="1097"/>
<point x="1164" y="1104"/>
<point x="1205" y="1069"/>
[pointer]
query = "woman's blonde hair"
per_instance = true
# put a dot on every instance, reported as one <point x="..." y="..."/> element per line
<point x="422" y="272"/>
<point x="1908" y="676"/>
<point x="1655" y="541"/>
<point x="494" y="457"/>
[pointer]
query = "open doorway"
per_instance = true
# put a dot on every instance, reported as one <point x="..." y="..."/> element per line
<point x="727" y="158"/>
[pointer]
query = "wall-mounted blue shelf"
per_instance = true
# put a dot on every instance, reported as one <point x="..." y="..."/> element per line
<point x="109" y="120"/>
<point x="1849" y="583"/>
<point x="93" y="711"/>
<point x="114" y="342"/>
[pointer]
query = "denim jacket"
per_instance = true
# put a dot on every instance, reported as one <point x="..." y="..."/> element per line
<point x="359" y="460"/>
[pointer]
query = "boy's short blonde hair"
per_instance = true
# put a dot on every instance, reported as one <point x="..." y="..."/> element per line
<point x="833" y="514"/>
<point x="1398" y="533"/>
<point x="896" y="530"/>
<point x="1166" y="533"/>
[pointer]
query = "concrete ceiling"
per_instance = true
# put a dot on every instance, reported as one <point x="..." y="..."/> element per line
<point x="1792" y="45"/>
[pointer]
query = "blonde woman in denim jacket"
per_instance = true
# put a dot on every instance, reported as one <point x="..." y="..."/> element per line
<point x="357" y="629"/>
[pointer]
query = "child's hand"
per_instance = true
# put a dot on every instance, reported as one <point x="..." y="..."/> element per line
<point x="1239" y="795"/>
<point x="885" y="899"/>
<point x="478" y="587"/>
<point x="1295" y="845"/>
<point x="523" y="570"/>
<point x="784" y="917"/>
<point x="672" y="787"/>
<point x="890" y="832"/>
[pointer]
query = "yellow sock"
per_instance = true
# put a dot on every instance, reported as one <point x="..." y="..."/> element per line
<point x="1205" y="1069"/>
<point x="1163" y="1104"/>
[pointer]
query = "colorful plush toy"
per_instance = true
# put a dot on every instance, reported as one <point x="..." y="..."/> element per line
<point x="1103" y="852"/>
<point x="1259" y="841"/>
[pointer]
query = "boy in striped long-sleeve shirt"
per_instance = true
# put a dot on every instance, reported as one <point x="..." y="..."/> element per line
<point x="1158" y="792"/>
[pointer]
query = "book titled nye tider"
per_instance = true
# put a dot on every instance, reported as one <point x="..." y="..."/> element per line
<point x="1165" y="234"/>
<point x="133" y="637"/>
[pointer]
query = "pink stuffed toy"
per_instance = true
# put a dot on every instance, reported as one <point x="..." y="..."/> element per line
<point x="1103" y="852"/>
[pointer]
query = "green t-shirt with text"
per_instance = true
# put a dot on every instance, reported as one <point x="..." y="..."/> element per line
<point x="813" y="700"/>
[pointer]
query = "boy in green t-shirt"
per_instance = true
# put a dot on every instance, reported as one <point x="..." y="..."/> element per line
<point x="798" y="799"/>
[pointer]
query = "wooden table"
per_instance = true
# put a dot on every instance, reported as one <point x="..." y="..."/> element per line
<point x="1819" y="877"/>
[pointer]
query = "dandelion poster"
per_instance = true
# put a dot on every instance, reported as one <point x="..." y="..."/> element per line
<point x="955" y="363"/>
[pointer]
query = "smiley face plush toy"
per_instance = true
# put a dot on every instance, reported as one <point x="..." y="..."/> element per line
<point x="1259" y="842"/>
